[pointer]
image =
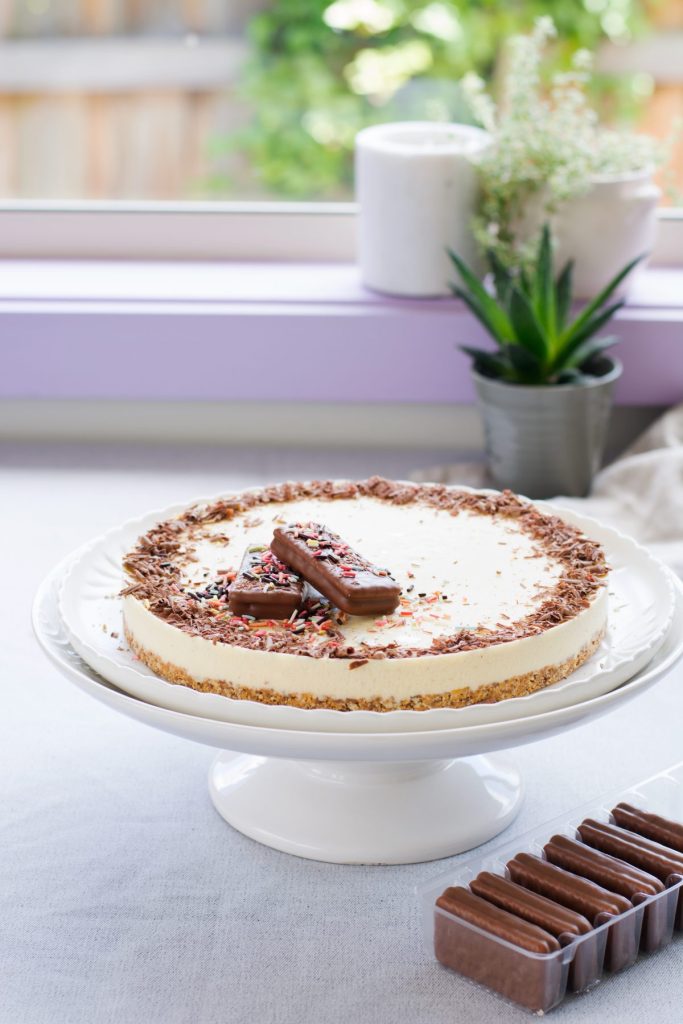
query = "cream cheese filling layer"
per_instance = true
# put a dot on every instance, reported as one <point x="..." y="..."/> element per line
<point x="397" y="679"/>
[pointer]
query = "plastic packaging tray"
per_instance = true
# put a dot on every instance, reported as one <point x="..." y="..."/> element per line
<point x="540" y="981"/>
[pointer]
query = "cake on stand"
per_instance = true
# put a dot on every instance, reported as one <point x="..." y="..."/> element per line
<point x="347" y="794"/>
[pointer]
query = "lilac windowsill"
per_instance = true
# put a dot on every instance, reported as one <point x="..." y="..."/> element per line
<point x="264" y="332"/>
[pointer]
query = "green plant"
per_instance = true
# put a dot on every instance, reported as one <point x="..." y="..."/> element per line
<point x="528" y="317"/>
<point x="548" y="145"/>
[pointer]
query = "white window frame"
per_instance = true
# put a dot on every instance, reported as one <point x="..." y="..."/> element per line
<point x="231" y="231"/>
<point x="234" y="231"/>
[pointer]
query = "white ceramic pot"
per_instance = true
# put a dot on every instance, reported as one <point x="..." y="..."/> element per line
<point x="607" y="227"/>
<point x="417" y="191"/>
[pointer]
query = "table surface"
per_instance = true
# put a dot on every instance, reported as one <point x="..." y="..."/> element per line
<point x="125" y="898"/>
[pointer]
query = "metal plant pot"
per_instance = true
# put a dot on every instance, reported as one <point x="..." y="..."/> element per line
<point x="547" y="440"/>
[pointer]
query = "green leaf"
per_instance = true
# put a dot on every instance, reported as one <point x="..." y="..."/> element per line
<point x="502" y="278"/>
<point x="529" y="333"/>
<point x="570" y="377"/>
<point x="544" y="290"/>
<point x="589" y="328"/>
<point x="588" y="350"/>
<point x="490" y="364"/>
<point x="483" y="305"/>
<point x="523" y="359"/>
<point x="526" y="364"/>
<point x="599" y="300"/>
<point x="479" y="312"/>
<point x="524" y="283"/>
<point x="563" y="295"/>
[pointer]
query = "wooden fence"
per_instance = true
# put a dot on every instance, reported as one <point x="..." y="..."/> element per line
<point x="117" y="98"/>
<point x="122" y="98"/>
<point x="59" y="18"/>
<point x="118" y="118"/>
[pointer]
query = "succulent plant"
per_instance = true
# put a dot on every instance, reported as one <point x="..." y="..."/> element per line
<point x="528" y="315"/>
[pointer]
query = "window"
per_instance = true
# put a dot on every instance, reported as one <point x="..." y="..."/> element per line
<point x="193" y="102"/>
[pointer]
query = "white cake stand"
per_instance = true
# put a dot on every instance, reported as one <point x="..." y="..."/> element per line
<point x="354" y="797"/>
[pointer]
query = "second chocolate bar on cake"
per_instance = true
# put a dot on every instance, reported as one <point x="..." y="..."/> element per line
<point x="264" y="587"/>
<point x="342" y="575"/>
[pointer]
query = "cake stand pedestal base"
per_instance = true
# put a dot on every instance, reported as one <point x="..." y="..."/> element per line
<point x="367" y="812"/>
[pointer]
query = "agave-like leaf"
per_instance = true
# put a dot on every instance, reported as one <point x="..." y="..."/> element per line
<point x="527" y="365"/>
<point x="588" y="350"/>
<point x="491" y="364"/>
<point x="588" y="311"/>
<point x="484" y="306"/>
<point x="479" y="312"/>
<point x="572" y="376"/>
<point x="588" y="330"/>
<point x="543" y="285"/>
<point x="502" y="278"/>
<point x="529" y="332"/>
<point x="524" y="283"/>
<point x="563" y="294"/>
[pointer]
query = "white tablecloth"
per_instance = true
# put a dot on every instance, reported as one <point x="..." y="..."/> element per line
<point x="124" y="898"/>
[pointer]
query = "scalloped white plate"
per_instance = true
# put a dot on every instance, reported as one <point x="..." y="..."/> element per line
<point x="641" y="607"/>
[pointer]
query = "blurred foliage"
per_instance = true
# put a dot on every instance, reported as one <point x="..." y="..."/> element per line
<point x="322" y="70"/>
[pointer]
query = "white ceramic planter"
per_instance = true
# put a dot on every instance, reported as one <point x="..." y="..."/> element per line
<point x="417" y="190"/>
<point x="604" y="229"/>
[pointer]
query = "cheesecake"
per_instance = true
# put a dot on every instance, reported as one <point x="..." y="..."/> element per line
<point x="498" y="598"/>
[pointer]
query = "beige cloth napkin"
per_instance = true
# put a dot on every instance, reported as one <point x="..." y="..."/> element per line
<point x="641" y="493"/>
